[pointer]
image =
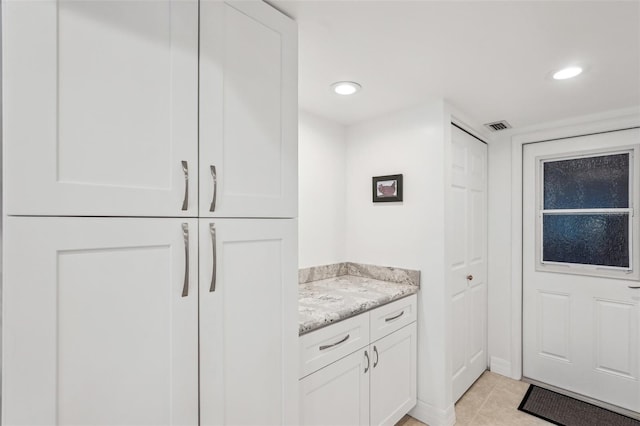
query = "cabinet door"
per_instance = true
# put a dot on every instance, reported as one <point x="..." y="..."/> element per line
<point x="337" y="394"/>
<point x="248" y="322"/>
<point x="248" y="111"/>
<point x="393" y="376"/>
<point x="101" y="109"/>
<point x="97" y="327"/>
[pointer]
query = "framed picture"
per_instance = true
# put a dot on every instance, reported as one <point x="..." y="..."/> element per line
<point x="387" y="188"/>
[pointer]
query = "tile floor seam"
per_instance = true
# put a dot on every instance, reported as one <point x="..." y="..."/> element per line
<point x="482" y="405"/>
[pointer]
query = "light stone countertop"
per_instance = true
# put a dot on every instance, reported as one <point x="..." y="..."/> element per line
<point x="330" y="300"/>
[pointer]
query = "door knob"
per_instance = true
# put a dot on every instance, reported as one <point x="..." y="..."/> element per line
<point x="469" y="277"/>
<point x="635" y="287"/>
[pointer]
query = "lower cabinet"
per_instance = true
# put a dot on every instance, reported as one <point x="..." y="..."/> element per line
<point x="374" y="385"/>
<point x="393" y="376"/>
<point x="337" y="394"/>
<point x="119" y="321"/>
<point x="248" y="322"/>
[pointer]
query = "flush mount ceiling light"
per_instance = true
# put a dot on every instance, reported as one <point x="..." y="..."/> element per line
<point x="566" y="73"/>
<point x="345" y="87"/>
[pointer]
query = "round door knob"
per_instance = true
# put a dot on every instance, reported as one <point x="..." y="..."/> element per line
<point x="469" y="277"/>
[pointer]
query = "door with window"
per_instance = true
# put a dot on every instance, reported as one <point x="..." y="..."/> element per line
<point x="580" y="266"/>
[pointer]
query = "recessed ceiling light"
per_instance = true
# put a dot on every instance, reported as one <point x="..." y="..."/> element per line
<point x="345" y="87"/>
<point x="568" y="72"/>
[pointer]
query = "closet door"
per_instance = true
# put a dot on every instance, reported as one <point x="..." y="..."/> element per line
<point x="248" y="111"/>
<point x="100" y="109"/>
<point x="100" y="321"/>
<point x="248" y="322"/>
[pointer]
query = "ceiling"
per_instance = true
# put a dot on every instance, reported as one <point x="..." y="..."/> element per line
<point x="492" y="60"/>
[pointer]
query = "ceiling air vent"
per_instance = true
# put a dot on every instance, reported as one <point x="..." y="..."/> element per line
<point x="496" y="126"/>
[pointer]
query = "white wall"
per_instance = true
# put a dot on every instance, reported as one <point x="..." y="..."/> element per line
<point x="407" y="234"/>
<point x="505" y="226"/>
<point x="322" y="192"/>
<point x="499" y="254"/>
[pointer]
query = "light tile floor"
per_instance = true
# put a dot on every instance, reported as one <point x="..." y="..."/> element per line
<point x="491" y="401"/>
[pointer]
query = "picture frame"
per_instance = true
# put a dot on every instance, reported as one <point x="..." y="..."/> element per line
<point x="387" y="188"/>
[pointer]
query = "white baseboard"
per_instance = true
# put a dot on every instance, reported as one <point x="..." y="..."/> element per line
<point x="500" y="366"/>
<point x="433" y="416"/>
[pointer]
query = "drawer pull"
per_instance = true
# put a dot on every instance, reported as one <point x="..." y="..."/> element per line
<point x="323" y="347"/>
<point x="214" y="265"/>
<point x="393" y="318"/>
<point x="214" y="176"/>
<point x="367" y="367"/>
<point x="375" y="363"/>
<point x="185" y="170"/>
<point x="185" y="237"/>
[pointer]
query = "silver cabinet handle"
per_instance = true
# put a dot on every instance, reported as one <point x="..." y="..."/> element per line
<point x="634" y="287"/>
<point x="185" y="236"/>
<point x="393" y="318"/>
<point x="185" y="170"/>
<point x="214" y="176"/>
<point x="214" y="267"/>
<point x="375" y="363"/>
<point x="367" y="367"/>
<point x="323" y="347"/>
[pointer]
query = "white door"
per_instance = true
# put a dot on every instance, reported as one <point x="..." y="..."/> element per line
<point x="100" y="327"/>
<point x="248" y="322"/>
<point x="101" y="107"/>
<point x="248" y="111"/>
<point x="580" y="256"/>
<point x="393" y="376"/>
<point x="338" y="395"/>
<point x="467" y="258"/>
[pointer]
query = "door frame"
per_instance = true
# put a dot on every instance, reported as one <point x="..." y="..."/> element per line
<point x="599" y="123"/>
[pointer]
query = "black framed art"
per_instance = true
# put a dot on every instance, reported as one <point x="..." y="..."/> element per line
<point x="387" y="188"/>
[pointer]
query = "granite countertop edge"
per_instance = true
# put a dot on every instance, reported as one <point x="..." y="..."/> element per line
<point x="329" y="301"/>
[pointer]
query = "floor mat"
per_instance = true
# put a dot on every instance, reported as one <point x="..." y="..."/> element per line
<point x="566" y="411"/>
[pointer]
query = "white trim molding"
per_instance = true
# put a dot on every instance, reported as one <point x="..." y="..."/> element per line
<point x="432" y="415"/>
<point x="500" y="366"/>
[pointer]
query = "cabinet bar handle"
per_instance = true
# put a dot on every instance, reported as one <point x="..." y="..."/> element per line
<point x="323" y="347"/>
<point x="393" y="318"/>
<point x="375" y="363"/>
<point x="185" y="236"/>
<point x="214" y="176"/>
<point x="185" y="170"/>
<point x="634" y="286"/>
<point x="367" y="367"/>
<point x="214" y="267"/>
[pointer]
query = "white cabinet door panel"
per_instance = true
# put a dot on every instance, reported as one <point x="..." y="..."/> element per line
<point x="102" y="106"/>
<point x="248" y="111"/>
<point x="393" y="376"/>
<point x="337" y="394"/>
<point x="248" y="322"/>
<point x="96" y="329"/>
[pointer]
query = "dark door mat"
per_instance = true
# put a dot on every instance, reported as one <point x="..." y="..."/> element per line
<point x="565" y="411"/>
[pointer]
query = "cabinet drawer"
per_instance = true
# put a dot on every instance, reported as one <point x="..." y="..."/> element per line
<point x="389" y="318"/>
<point x="326" y="345"/>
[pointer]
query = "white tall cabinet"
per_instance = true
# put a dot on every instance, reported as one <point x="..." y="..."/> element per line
<point x="248" y="111"/>
<point x="150" y="196"/>
<point x="100" y="321"/>
<point x="100" y="107"/>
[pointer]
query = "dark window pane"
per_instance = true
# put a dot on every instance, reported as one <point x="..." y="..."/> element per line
<point x="587" y="183"/>
<point x="589" y="239"/>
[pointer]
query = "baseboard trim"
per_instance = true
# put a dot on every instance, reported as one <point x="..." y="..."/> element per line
<point x="501" y="366"/>
<point x="433" y="416"/>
